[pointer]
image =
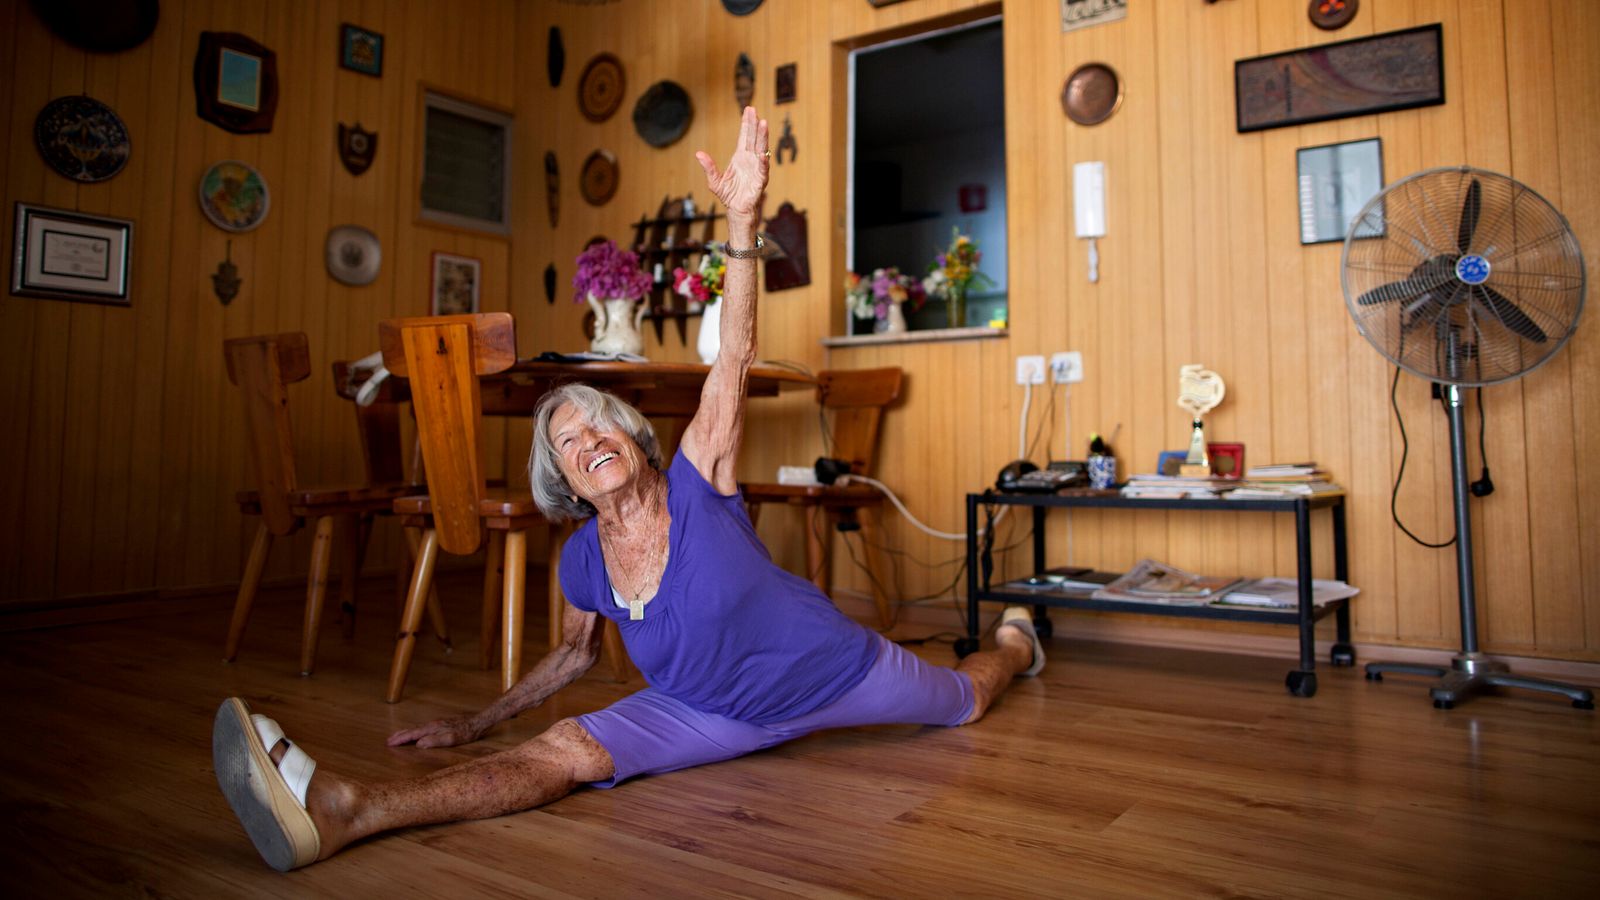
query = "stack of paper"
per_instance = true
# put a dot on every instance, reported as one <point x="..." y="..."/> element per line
<point x="1282" y="481"/>
<point x="1284" y="593"/>
<point x="1175" y="487"/>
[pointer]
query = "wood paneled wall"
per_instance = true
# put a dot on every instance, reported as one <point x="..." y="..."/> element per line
<point x="128" y="442"/>
<point x="1203" y="264"/>
<point x="125" y="444"/>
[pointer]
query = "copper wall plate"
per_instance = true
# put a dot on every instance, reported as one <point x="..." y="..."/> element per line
<point x="1092" y="94"/>
<point x="600" y="88"/>
<point x="599" y="179"/>
<point x="1331" y="15"/>
<point x="663" y="113"/>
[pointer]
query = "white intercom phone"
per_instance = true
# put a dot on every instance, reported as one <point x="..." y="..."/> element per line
<point x="1089" y="208"/>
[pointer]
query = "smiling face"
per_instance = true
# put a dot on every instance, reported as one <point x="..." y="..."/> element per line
<point x="595" y="459"/>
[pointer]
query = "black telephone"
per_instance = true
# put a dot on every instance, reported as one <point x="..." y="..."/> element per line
<point x="1023" y="477"/>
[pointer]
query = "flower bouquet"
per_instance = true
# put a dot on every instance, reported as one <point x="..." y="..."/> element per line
<point x="952" y="273"/>
<point x="879" y="296"/>
<point x="610" y="281"/>
<point x="704" y="285"/>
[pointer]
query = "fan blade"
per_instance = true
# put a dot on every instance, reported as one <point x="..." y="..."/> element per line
<point x="1509" y="315"/>
<point x="1427" y="276"/>
<point x="1470" y="208"/>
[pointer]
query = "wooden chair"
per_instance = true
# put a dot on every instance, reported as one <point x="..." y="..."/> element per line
<point x="857" y="399"/>
<point x="443" y="357"/>
<point x="263" y="367"/>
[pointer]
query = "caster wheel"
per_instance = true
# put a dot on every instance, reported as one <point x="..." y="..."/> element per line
<point x="1583" y="704"/>
<point x="1043" y="627"/>
<point x="966" y="646"/>
<point x="1343" y="655"/>
<point x="1374" y="676"/>
<point x="1301" y="684"/>
<point x="1443" y="704"/>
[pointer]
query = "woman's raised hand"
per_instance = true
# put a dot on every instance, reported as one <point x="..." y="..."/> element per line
<point x="741" y="184"/>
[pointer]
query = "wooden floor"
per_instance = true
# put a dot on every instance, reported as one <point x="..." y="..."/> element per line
<point x="1121" y="771"/>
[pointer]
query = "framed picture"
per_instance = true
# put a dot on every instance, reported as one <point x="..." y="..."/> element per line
<point x="1334" y="182"/>
<point x="1227" y="460"/>
<point x="71" y="256"/>
<point x="1170" y="461"/>
<point x="1383" y="72"/>
<point x="456" y="280"/>
<point x="235" y="83"/>
<point x="361" y="50"/>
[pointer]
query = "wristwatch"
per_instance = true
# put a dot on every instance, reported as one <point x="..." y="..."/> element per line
<point x="765" y="246"/>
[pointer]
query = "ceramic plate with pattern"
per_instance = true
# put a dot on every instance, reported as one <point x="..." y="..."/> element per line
<point x="600" y="88"/>
<point x="233" y="195"/>
<point x="81" y="138"/>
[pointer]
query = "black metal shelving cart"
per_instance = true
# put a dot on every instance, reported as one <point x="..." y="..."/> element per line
<point x="1302" y="682"/>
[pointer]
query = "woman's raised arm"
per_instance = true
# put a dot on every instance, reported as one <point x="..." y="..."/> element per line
<point x="711" y="441"/>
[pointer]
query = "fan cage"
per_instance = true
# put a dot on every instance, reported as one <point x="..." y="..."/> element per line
<point x="1453" y="332"/>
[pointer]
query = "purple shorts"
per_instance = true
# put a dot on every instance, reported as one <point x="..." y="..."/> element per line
<point x="649" y="732"/>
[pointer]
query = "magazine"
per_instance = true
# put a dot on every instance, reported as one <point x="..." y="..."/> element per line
<point x="1284" y="593"/>
<point x="1150" y="581"/>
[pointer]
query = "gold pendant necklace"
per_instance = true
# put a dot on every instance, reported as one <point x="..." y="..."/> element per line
<point x="636" y="606"/>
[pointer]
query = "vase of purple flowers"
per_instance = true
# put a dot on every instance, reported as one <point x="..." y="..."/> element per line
<point x="610" y="281"/>
<point x="878" y="297"/>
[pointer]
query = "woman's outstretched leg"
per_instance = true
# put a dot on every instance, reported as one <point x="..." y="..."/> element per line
<point x="1017" y="651"/>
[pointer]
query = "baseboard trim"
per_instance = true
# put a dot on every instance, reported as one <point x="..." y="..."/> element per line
<point x="1125" y="630"/>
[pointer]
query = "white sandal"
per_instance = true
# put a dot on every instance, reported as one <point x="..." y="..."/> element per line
<point x="268" y="798"/>
<point x="1019" y="618"/>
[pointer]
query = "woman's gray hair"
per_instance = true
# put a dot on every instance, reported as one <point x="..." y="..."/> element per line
<point x="551" y="492"/>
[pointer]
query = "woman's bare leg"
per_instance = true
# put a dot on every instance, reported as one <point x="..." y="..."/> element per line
<point x="991" y="671"/>
<point x="538" y="771"/>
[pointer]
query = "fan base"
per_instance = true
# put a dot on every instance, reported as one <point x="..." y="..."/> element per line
<point x="1473" y="673"/>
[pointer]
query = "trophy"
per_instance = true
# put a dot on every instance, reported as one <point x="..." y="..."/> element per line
<point x="1199" y="392"/>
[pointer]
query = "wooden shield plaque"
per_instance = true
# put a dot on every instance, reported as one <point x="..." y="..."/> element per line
<point x="793" y="268"/>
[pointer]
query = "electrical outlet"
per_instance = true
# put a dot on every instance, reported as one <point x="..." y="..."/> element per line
<point x="1066" y="367"/>
<point x="1030" y="370"/>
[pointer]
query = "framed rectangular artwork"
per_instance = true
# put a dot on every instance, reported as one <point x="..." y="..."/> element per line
<point x="235" y="82"/>
<point x="1334" y="183"/>
<point x="1380" y="73"/>
<point x="71" y="256"/>
<point x="361" y="50"/>
<point x="456" y="284"/>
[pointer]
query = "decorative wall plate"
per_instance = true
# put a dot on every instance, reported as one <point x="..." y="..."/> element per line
<point x="663" y="113"/>
<point x="104" y="26"/>
<point x="81" y="138"/>
<point x="353" y="255"/>
<point x="1093" y="92"/>
<point x="600" y="88"/>
<point x="599" y="178"/>
<point x="1330" y="15"/>
<point x="741" y="7"/>
<point x="234" y="196"/>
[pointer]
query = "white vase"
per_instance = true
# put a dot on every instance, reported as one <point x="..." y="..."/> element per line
<point x="896" y="320"/>
<point x="616" y="325"/>
<point x="710" y="340"/>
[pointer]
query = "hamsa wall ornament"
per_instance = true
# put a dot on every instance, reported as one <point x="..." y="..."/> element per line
<point x="357" y="147"/>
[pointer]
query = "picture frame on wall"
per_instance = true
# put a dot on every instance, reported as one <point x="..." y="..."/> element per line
<point x="361" y="50"/>
<point x="65" y="255"/>
<point x="235" y="83"/>
<point x="456" y="286"/>
<point x="1379" y="73"/>
<point x="1334" y="182"/>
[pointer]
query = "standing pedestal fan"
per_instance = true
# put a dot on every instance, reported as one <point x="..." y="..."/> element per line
<point x="1466" y="278"/>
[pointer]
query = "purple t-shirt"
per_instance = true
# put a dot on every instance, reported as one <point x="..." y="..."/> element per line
<point x="729" y="632"/>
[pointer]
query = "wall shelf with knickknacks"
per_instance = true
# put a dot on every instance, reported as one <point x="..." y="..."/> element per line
<point x="667" y="242"/>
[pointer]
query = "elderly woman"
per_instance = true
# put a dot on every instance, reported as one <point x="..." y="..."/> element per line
<point x="738" y="653"/>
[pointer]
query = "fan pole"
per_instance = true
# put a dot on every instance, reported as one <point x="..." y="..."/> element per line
<point x="1458" y="487"/>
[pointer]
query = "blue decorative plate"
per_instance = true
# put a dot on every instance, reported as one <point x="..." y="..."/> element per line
<point x="81" y="138"/>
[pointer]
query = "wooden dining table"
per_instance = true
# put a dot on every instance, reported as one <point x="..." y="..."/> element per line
<point x="660" y="390"/>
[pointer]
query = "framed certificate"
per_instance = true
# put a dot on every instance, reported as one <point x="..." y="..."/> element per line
<point x="67" y="255"/>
